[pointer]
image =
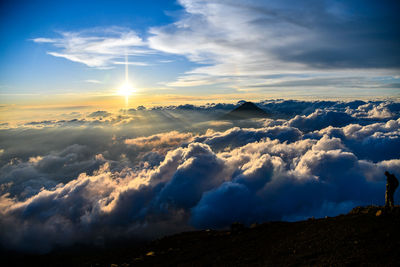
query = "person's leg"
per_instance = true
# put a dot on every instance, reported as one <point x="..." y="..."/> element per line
<point x="387" y="198"/>
<point x="391" y="199"/>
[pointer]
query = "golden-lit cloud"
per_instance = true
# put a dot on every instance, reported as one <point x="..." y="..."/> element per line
<point x="158" y="182"/>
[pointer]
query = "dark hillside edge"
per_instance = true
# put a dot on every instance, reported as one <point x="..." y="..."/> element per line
<point x="247" y="110"/>
<point x="365" y="236"/>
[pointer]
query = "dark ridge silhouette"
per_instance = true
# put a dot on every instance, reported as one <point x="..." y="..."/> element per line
<point x="366" y="236"/>
<point x="247" y="110"/>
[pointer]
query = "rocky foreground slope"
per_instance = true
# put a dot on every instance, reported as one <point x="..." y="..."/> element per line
<point x="365" y="236"/>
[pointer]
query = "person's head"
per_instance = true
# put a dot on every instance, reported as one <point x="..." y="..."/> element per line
<point x="387" y="173"/>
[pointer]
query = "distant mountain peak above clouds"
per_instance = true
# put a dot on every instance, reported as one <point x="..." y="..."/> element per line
<point x="246" y="110"/>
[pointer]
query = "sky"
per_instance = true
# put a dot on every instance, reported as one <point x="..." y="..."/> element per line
<point x="111" y="115"/>
<point x="69" y="52"/>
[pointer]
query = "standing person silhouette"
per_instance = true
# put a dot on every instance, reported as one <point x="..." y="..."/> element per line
<point x="391" y="185"/>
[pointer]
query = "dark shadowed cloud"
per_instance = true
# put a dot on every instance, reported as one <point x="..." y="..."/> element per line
<point x="256" y="45"/>
<point x="318" y="39"/>
<point x="111" y="180"/>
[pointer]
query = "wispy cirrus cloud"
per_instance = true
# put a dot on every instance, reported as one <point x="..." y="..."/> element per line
<point x="135" y="63"/>
<point x="98" y="47"/>
<point x="93" y="81"/>
<point x="244" y="42"/>
<point x="258" y="45"/>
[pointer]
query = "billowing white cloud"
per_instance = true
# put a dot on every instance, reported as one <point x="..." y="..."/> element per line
<point x="121" y="184"/>
<point x="172" y="138"/>
<point x="320" y="119"/>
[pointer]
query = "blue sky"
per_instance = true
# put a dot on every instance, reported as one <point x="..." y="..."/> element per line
<point x="260" y="48"/>
<point x="27" y="68"/>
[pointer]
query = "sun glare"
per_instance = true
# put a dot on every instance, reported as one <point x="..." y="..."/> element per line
<point x="126" y="89"/>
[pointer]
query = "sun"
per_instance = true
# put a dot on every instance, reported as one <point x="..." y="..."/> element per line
<point x="126" y="89"/>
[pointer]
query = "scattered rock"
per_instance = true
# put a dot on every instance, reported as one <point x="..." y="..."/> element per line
<point x="150" y="253"/>
<point x="360" y="238"/>
<point x="254" y="225"/>
<point x="237" y="227"/>
<point x="372" y="210"/>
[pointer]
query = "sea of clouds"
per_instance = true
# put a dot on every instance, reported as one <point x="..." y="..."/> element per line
<point x="139" y="173"/>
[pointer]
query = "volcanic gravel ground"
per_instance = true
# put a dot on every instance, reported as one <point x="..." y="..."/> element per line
<point x="358" y="238"/>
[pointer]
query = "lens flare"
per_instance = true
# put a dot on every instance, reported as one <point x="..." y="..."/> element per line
<point x="126" y="89"/>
